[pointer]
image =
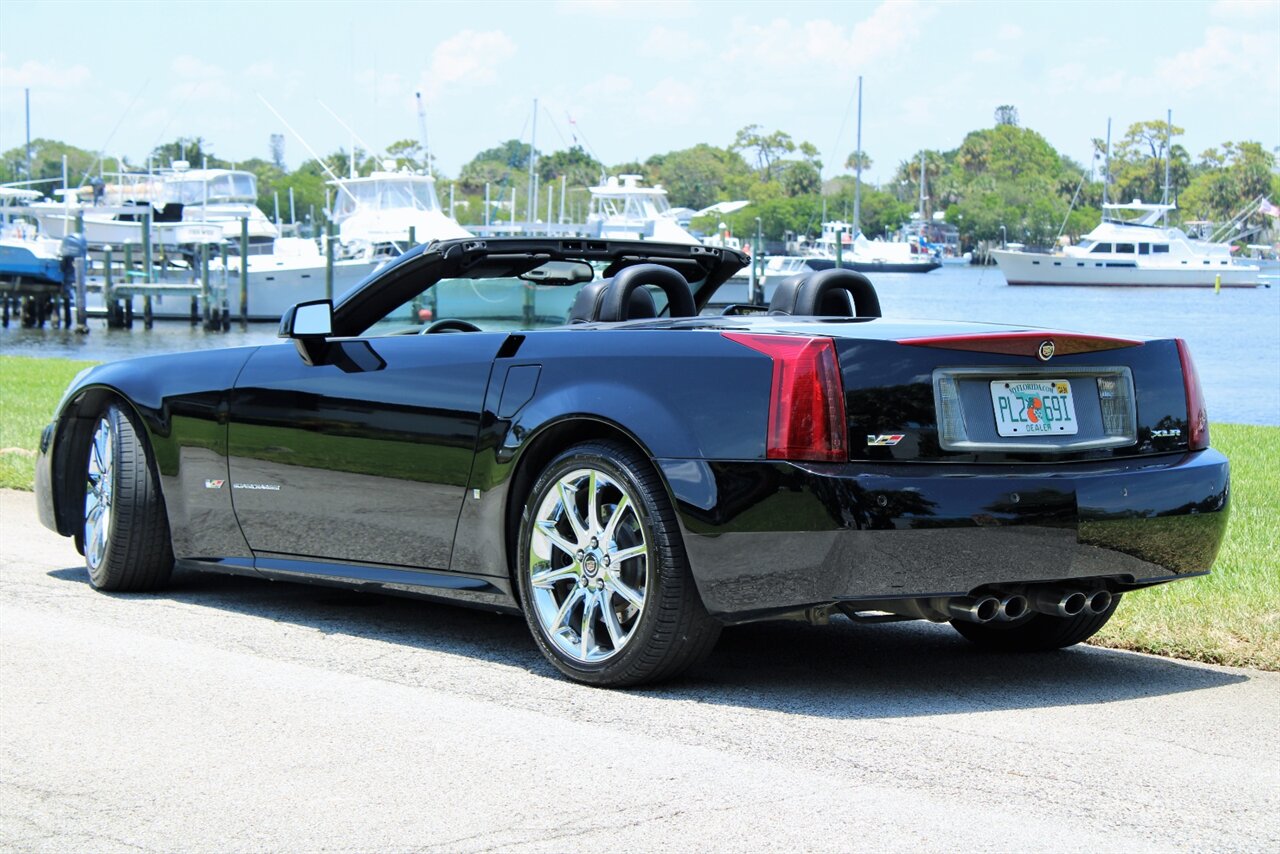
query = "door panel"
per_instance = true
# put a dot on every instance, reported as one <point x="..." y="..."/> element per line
<point x="365" y="457"/>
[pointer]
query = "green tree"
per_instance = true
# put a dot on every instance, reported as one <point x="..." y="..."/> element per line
<point x="699" y="176"/>
<point x="768" y="148"/>
<point x="851" y="162"/>
<point x="46" y="164"/>
<point x="1137" y="163"/>
<point x="192" y="149"/>
<point x="578" y="168"/>
<point x="408" y="153"/>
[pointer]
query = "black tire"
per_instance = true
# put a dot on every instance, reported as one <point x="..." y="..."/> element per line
<point x="1036" y="632"/>
<point x="136" y="553"/>
<point x="672" y="631"/>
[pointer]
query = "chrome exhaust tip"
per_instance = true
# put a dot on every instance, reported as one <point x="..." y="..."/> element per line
<point x="1013" y="607"/>
<point x="1057" y="602"/>
<point x="973" y="609"/>
<point x="1098" y="601"/>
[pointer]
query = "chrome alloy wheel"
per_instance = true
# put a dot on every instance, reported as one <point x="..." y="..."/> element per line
<point x="588" y="566"/>
<point x="98" y="492"/>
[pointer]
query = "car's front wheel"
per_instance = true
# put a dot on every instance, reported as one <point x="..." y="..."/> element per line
<point x="1037" y="632"/>
<point x="602" y="572"/>
<point x="126" y="531"/>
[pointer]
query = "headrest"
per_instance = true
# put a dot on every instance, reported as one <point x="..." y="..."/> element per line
<point x="630" y="280"/>
<point x="827" y="293"/>
<point x="784" y="296"/>
<point x="589" y="303"/>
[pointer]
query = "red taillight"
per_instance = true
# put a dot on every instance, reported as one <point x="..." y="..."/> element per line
<point x="806" y="400"/>
<point x="1197" y="415"/>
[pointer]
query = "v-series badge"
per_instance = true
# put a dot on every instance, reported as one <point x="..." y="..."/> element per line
<point x="885" y="439"/>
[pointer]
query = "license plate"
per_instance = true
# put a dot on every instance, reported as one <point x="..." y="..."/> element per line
<point x="1034" y="408"/>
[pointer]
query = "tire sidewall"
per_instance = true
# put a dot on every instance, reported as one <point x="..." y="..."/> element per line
<point x="613" y="462"/>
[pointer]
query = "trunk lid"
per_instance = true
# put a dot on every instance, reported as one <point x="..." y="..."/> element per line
<point x="1011" y="396"/>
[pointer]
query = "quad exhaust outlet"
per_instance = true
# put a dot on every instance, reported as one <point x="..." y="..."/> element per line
<point x="987" y="608"/>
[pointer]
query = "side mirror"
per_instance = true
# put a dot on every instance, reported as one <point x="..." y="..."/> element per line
<point x="308" y="320"/>
<point x="308" y="324"/>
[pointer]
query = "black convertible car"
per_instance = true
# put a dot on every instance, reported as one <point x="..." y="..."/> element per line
<point x="549" y="426"/>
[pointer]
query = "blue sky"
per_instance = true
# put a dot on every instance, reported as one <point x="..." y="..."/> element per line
<point x="633" y="78"/>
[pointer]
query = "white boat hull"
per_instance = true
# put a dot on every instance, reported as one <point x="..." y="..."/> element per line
<point x="1026" y="268"/>
<point x="274" y="285"/>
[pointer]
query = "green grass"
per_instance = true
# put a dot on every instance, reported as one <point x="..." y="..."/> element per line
<point x="1230" y="617"/>
<point x="29" y="390"/>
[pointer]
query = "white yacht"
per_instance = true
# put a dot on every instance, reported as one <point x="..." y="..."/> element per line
<point x="862" y="255"/>
<point x="380" y="209"/>
<point x="188" y="206"/>
<point x="1136" y="252"/>
<point x="223" y="196"/>
<point x="621" y="209"/>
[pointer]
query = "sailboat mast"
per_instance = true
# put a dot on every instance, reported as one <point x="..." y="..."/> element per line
<point x="533" y="141"/>
<point x="1106" y="174"/>
<point x="857" y="169"/>
<point x="922" y="196"/>
<point x="422" y="128"/>
<point x="1168" y="155"/>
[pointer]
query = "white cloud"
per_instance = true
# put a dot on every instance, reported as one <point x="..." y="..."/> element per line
<point x="1227" y="56"/>
<point x="469" y="58"/>
<point x="882" y="36"/>
<point x="670" y="44"/>
<point x="987" y="55"/>
<point x="1009" y="33"/>
<point x="670" y="101"/>
<point x="187" y="65"/>
<point x="42" y="75"/>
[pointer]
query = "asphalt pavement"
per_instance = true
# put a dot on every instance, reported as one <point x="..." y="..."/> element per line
<point x="233" y="714"/>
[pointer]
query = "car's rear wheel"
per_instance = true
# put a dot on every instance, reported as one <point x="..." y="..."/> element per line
<point x="602" y="572"/>
<point x="126" y="532"/>
<point x="1037" y="632"/>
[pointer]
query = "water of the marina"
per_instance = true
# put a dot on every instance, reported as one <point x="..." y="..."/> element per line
<point x="1234" y="335"/>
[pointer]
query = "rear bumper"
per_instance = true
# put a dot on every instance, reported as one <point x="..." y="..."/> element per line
<point x="769" y="537"/>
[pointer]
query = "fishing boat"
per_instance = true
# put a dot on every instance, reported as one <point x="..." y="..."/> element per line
<point x="186" y="207"/>
<point x="375" y="212"/>
<point x="1137" y="252"/>
<point x="838" y="245"/>
<point x="26" y="256"/>
<point x="621" y="209"/>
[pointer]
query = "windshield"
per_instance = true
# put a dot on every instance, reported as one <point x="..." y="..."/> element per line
<point x="490" y="304"/>
<point x="506" y="304"/>
<point x="228" y="187"/>
<point x="386" y="195"/>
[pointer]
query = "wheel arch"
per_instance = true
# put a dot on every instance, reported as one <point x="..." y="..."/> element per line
<point x="552" y="439"/>
<point x="71" y="442"/>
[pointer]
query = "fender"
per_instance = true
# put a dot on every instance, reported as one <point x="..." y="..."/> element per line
<point x="181" y="403"/>
<point x="675" y="412"/>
